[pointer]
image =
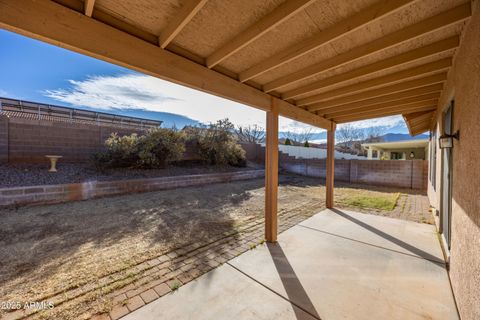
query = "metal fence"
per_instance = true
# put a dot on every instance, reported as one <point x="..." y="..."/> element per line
<point x="59" y="112"/>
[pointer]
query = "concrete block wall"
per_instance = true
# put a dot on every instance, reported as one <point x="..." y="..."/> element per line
<point x="403" y="174"/>
<point x="88" y="190"/>
<point x="28" y="140"/>
<point x="316" y="167"/>
<point x="3" y="139"/>
<point x="411" y="174"/>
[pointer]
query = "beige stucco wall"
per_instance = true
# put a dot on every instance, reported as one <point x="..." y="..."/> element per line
<point x="418" y="152"/>
<point x="464" y="86"/>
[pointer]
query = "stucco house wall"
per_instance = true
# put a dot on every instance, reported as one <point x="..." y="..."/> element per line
<point x="418" y="152"/>
<point x="463" y="86"/>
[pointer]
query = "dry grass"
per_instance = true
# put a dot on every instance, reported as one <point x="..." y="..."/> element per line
<point x="47" y="250"/>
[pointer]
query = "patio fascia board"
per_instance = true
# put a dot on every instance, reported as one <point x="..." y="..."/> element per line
<point x="53" y="23"/>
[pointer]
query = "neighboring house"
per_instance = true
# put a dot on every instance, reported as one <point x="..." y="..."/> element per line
<point x="397" y="150"/>
<point x="314" y="153"/>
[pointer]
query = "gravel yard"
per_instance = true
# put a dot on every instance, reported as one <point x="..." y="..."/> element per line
<point x="37" y="174"/>
<point x="51" y="252"/>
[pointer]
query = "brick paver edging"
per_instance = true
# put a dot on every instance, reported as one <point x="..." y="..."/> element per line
<point x="154" y="278"/>
<point x="95" y="189"/>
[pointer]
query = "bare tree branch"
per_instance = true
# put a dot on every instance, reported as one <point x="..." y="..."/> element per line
<point x="251" y="133"/>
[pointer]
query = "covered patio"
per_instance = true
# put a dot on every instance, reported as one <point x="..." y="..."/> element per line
<point x="317" y="62"/>
<point x="336" y="265"/>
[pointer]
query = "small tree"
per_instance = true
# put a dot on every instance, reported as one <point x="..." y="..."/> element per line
<point x="159" y="147"/>
<point x="374" y="134"/>
<point x="299" y="137"/>
<point x="288" y="142"/>
<point x="217" y="144"/>
<point x="251" y="134"/>
<point x="306" y="144"/>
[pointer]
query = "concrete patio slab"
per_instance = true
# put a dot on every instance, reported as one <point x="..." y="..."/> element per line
<point x="335" y="265"/>
<point x="411" y="238"/>
<point x="223" y="293"/>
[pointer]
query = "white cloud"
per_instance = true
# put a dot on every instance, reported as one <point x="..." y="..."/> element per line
<point x="137" y="91"/>
<point x="3" y="93"/>
<point x="385" y="122"/>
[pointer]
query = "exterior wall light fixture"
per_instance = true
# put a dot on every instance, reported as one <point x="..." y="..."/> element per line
<point x="446" y="140"/>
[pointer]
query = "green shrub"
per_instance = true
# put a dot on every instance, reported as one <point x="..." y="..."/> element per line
<point x="288" y="142"/>
<point x="217" y="144"/>
<point x="155" y="149"/>
<point x="306" y="144"/>
<point x="120" y="152"/>
<point x="159" y="147"/>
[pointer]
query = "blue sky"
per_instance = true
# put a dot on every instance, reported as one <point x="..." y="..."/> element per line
<point x="29" y="67"/>
<point x="36" y="71"/>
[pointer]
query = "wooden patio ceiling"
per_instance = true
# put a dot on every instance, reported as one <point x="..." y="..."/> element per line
<point x="323" y="62"/>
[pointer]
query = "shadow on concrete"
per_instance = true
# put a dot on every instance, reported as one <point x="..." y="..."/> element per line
<point x="419" y="252"/>
<point x="297" y="295"/>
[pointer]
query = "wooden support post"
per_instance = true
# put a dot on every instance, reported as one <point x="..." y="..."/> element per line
<point x="330" y="166"/>
<point x="271" y="173"/>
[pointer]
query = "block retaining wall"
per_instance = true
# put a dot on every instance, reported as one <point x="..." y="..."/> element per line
<point x="411" y="174"/>
<point x="29" y="140"/>
<point x="89" y="190"/>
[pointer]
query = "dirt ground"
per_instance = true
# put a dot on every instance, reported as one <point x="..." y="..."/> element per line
<point x="47" y="250"/>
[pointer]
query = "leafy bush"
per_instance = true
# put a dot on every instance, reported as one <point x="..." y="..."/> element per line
<point x="120" y="152"/>
<point x="159" y="147"/>
<point x="217" y="144"/>
<point x="155" y="149"/>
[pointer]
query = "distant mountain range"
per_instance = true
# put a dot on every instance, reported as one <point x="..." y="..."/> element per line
<point x="388" y="137"/>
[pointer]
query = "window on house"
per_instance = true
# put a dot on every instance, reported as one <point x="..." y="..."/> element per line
<point x="396" y="155"/>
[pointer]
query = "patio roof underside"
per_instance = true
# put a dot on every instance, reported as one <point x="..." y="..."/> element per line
<point x="327" y="62"/>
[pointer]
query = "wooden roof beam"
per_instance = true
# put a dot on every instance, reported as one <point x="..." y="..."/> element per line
<point x="398" y="87"/>
<point x="424" y="123"/>
<point x="270" y="21"/>
<point x="88" y="7"/>
<point x="413" y="93"/>
<point x="380" y="81"/>
<point x="73" y="31"/>
<point x="420" y="119"/>
<point x="400" y="108"/>
<point x="179" y="21"/>
<point x="436" y="22"/>
<point x="409" y="116"/>
<point x="409" y="56"/>
<point x="383" y="113"/>
<point x="415" y="131"/>
<point x="376" y="11"/>
<point x="421" y="127"/>
<point x="336" y="112"/>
